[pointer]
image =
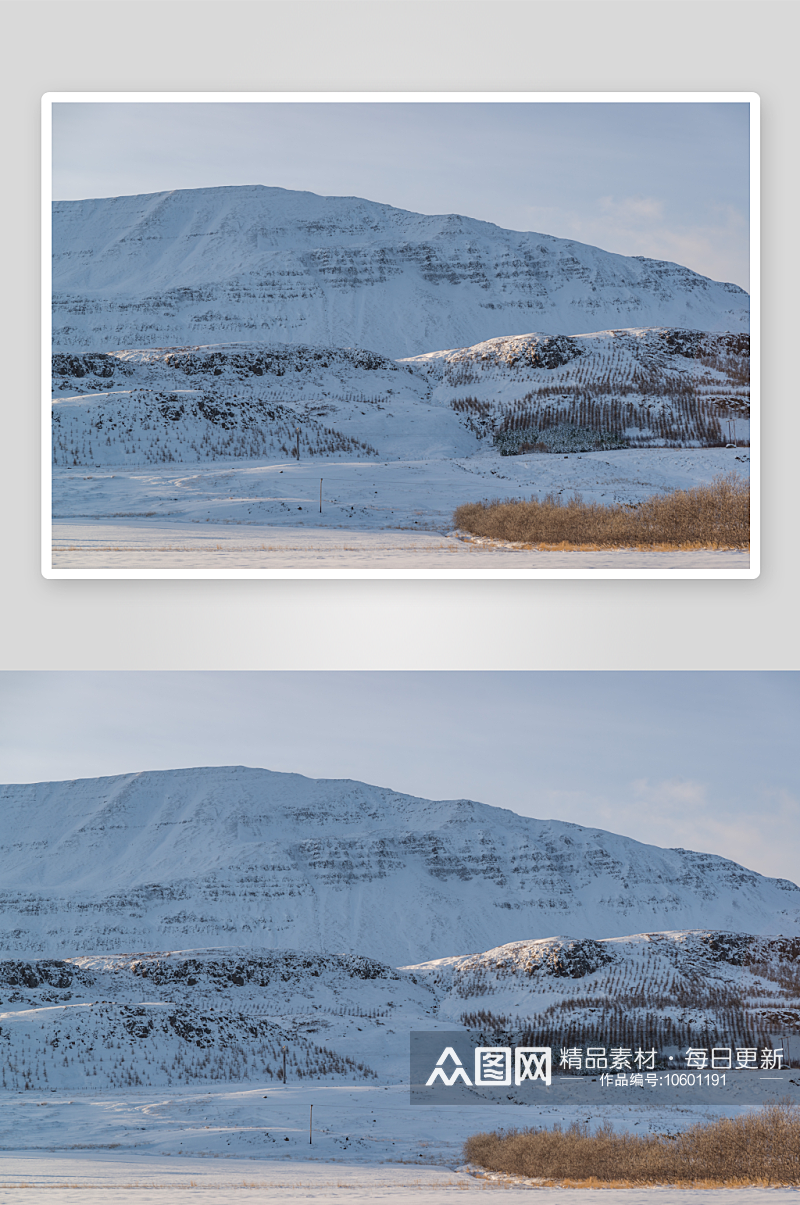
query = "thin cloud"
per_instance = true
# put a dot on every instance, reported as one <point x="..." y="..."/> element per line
<point x="629" y="209"/>
<point x="760" y="834"/>
<point x="717" y="248"/>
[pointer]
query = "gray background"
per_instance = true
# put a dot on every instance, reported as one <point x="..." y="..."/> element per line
<point x="404" y="46"/>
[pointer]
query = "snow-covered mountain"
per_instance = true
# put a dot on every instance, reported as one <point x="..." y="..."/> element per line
<point x="237" y="856"/>
<point x="211" y="265"/>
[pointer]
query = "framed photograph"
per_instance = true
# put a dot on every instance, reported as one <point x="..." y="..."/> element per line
<point x="400" y="335"/>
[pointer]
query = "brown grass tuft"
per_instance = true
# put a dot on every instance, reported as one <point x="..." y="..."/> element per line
<point x="708" y="516"/>
<point x="758" y="1148"/>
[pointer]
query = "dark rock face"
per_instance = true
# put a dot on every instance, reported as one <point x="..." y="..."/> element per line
<point x="553" y="351"/>
<point x="694" y="344"/>
<point x="222" y="973"/>
<point x="233" y="362"/>
<point x="536" y="351"/>
<point x="242" y="362"/>
<point x="570" y="959"/>
<point x="98" y="364"/>
<point x="733" y="948"/>
<point x="44" y="973"/>
<point x="41" y="981"/>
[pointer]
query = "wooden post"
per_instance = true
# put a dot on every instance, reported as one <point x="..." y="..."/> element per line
<point x="297" y="429"/>
<point x="284" y="1065"/>
<point x="320" y="495"/>
<point x="310" y="1117"/>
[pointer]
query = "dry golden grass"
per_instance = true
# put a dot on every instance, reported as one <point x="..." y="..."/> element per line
<point x="708" y="516"/>
<point x="760" y="1148"/>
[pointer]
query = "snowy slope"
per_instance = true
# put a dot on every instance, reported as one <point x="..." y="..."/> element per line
<point x="209" y="265"/>
<point x="197" y="405"/>
<point x="655" y="386"/>
<point x="245" y="401"/>
<point x="185" y="858"/>
<point x="666" y="988"/>
<point x="205" y="1016"/>
<point x="202" y="1016"/>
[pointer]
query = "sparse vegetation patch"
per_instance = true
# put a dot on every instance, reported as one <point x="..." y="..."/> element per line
<point x="563" y="437"/>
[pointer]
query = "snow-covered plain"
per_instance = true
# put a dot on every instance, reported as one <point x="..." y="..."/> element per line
<point x="376" y="515"/>
<point x="367" y="1144"/>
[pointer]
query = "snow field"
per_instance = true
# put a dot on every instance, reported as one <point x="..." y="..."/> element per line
<point x="368" y="1144"/>
<point x="404" y="495"/>
<point x="380" y="515"/>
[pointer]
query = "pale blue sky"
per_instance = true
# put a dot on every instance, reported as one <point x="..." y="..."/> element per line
<point x="669" y="181"/>
<point x="705" y="761"/>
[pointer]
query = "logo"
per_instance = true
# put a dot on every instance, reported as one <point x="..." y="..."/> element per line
<point x="446" y="1068"/>
<point x="440" y="1073"/>
<point x="493" y="1067"/>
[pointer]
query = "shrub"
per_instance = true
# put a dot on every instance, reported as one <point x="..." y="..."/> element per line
<point x="757" y="1148"/>
<point x="708" y="516"/>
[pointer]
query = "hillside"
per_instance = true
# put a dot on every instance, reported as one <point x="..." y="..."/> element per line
<point x="202" y="266"/>
<point x="675" y="989"/>
<point x="194" y="1017"/>
<point x="197" y="405"/>
<point x="245" y="401"/>
<point x="198" y="1016"/>
<point x="658" y="386"/>
<point x="247" y="857"/>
